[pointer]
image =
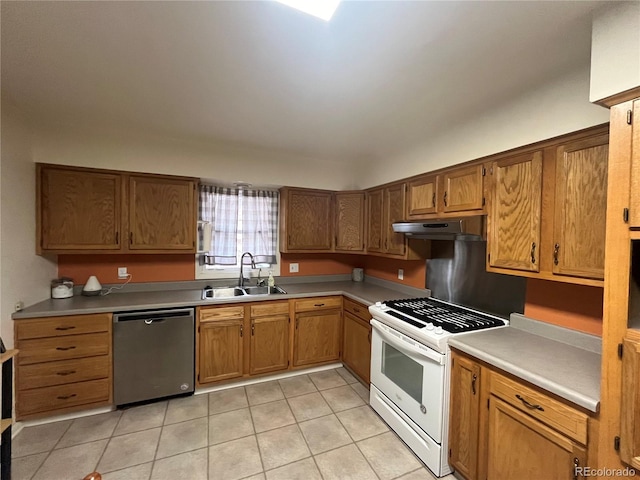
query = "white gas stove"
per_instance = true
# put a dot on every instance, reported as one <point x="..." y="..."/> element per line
<point x="430" y="321"/>
<point x="411" y="368"/>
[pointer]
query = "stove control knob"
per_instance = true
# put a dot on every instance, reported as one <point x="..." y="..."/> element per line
<point x="378" y="304"/>
<point x="429" y="326"/>
<point x="438" y="331"/>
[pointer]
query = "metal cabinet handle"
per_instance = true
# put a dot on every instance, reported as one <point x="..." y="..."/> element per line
<point x="253" y="329"/>
<point x="66" y="372"/>
<point x="241" y="330"/>
<point x="445" y="199"/>
<point x="533" y="252"/>
<point x="65" y="348"/>
<point x="556" y="250"/>
<point x="576" y="464"/>
<point x="433" y="199"/>
<point x="117" y="238"/>
<point x="473" y="383"/>
<point x="318" y="304"/>
<point x="130" y="238"/>
<point x="529" y="405"/>
<point x="65" y="328"/>
<point x="66" y="397"/>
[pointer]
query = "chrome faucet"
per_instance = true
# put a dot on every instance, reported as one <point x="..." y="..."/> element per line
<point x="253" y="265"/>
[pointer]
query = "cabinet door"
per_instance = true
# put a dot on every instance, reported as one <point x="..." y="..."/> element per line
<point x="356" y="350"/>
<point x="630" y="403"/>
<point x="162" y="214"/>
<point x="463" y="189"/>
<point x="464" y="416"/>
<point x="634" y="200"/>
<point x="220" y="350"/>
<point x="394" y="210"/>
<point x="308" y="220"/>
<point x="514" y="217"/>
<point x="374" y="223"/>
<point x="521" y="447"/>
<point x="317" y="337"/>
<point x="422" y="196"/>
<point x="350" y="222"/>
<point x="269" y="344"/>
<point x="580" y="208"/>
<point x="78" y="210"/>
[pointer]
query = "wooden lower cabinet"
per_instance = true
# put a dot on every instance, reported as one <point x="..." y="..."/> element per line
<point x="522" y="447"/>
<point x="65" y="364"/>
<point x="220" y="349"/>
<point x="356" y="339"/>
<point x="502" y="428"/>
<point x="269" y="338"/>
<point x="465" y="411"/>
<point x="318" y="330"/>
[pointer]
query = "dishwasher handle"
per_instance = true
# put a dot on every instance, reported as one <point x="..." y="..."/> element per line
<point x="153" y="316"/>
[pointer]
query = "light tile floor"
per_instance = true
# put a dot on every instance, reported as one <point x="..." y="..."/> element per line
<point x="312" y="426"/>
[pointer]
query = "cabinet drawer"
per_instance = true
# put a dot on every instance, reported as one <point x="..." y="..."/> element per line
<point x="318" y="303"/>
<point x="558" y="415"/>
<point x="267" y="309"/>
<point x="357" y="309"/>
<point x="216" y="313"/>
<point x="63" y="348"/>
<point x="56" y="326"/>
<point x="61" y="372"/>
<point x="47" y="399"/>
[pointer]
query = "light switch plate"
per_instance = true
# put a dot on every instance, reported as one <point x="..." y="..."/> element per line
<point x="400" y="274"/>
<point x="293" y="268"/>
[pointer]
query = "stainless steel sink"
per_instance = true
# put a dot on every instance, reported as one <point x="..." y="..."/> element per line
<point x="230" y="292"/>
<point x="263" y="290"/>
<point x="221" y="292"/>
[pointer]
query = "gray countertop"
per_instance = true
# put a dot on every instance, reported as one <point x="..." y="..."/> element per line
<point x="368" y="292"/>
<point x="568" y="369"/>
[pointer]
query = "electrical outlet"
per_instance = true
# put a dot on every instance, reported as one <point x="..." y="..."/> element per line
<point x="293" y="268"/>
<point x="122" y="272"/>
<point x="400" y="274"/>
<point x="18" y="306"/>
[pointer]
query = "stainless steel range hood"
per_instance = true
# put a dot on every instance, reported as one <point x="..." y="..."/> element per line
<point x="468" y="228"/>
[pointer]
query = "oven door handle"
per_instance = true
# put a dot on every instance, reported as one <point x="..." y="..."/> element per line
<point x="398" y="342"/>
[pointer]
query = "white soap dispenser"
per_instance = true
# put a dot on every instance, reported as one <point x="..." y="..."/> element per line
<point x="271" y="281"/>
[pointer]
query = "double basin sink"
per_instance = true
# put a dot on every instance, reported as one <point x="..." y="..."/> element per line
<point x="209" y="293"/>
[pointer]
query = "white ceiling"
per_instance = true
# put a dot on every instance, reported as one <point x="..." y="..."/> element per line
<point x="371" y="83"/>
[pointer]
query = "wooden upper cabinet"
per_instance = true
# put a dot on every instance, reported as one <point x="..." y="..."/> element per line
<point x="375" y="241"/>
<point x="350" y="217"/>
<point x="580" y="208"/>
<point x="81" y="210"/>
<point x="306" y="220"/>
<point x="422" y="196"/>
<point x="514" y="216"/>
<point x="161" y="213"/>
<point x="463" y="189"/>
<point x="394" y="211"/>
<point x="634" y="200"/>
<point x="77" y="209"/>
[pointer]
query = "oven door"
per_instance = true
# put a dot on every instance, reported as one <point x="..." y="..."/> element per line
<point x="411" y="375"/>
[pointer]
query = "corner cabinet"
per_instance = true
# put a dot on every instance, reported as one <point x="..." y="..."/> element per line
<point x="356" y="339"/>
<point x="83" y="210"/>
<point x="547" y="209"/>
<point x="349" y="222"/>
<point x="305" y="220"/>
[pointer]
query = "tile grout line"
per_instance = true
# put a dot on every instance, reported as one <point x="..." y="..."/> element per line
<point x="208" y="432"/>
<point x="52" y="449"/>
<point x="255" y="433"/>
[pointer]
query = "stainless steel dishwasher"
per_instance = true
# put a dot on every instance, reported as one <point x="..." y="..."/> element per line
<point x="153" y="354"/>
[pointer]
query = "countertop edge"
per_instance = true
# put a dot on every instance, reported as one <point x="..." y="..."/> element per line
<point x="591" y="404"/>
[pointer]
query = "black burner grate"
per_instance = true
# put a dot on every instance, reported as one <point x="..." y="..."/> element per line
<point x="451" y="318"/>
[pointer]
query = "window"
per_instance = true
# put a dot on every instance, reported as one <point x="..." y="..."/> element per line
<point x="232" y="221"/>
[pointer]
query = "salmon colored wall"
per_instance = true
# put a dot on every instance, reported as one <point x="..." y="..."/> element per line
<point x="319" y="264"/>
<point x="572" y="306"/>
<point x="143" y="268"/>
<point x="387" y="269"/>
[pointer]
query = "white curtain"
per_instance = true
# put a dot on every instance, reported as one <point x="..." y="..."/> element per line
<point x="218" y="206"/>
<point x="260" y="224"/>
